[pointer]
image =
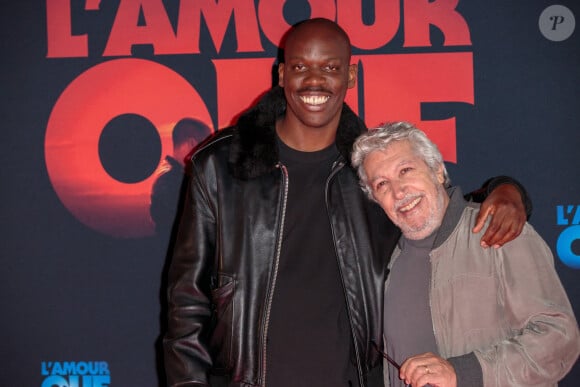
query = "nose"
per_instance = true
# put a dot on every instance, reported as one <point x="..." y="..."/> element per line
<point x="398" y="189"/>
<point x="315" y="75"/>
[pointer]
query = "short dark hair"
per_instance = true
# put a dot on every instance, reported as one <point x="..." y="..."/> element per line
<point x="189" y="128"/>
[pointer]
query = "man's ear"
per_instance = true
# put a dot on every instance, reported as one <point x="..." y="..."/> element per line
<point x="352" y="75"/>
<point x="281" y="74"/>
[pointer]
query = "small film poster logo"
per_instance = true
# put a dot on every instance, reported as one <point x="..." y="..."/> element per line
<point x="75" y="374"/>
<point x="568" y="244"/>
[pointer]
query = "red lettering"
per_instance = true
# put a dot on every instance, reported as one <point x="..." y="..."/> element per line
<point x="61" y="42"/>
<point x="217" y="16"/>
<point x="420" y="14"/>
<point x="394" y="88"/>
<point x="273" y="23"/>
<point x="82" y="111"/>
<point x="396" y="85"/>
<point x="158" y="30"/>
<point x="373" y="36"/>
<point x="126" y="32"/>
<point x="240" y="82"/>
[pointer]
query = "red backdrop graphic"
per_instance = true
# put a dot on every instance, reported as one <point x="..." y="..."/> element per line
<point x="88" y="103"/>
<point x="133" y="86"/>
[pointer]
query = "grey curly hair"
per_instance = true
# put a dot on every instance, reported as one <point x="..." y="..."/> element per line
<point x="380" y="137"/>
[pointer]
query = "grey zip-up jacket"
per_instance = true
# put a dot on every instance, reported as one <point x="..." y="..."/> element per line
<point x="505" y="306"/>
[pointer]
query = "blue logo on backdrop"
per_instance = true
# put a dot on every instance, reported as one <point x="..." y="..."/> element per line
<point x="569" y="216"/>
<point x="75" y="374"/>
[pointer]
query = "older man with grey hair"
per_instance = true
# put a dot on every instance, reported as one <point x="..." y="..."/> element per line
<point x="456" y="314"/>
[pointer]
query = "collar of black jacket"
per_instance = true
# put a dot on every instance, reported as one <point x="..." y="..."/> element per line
<point x="253" y="151"/>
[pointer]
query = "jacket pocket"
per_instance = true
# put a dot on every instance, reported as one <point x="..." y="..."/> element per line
<point x="222" y="320"/>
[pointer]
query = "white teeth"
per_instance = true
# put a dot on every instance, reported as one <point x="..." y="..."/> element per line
<point x="315" y="100"/>
<point x="411" y="205"/>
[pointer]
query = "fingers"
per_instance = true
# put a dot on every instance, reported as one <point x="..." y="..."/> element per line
<point x="507" y="213"/>
<point x="423" y="374"/>
<point x="505" y="225"/>
<point x="499" y="235"/>
<point x="428" y="368"/>
<point x="482" y="216"/>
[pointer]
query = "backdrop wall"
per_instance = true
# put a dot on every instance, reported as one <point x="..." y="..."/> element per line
<point x="91" y="93"/>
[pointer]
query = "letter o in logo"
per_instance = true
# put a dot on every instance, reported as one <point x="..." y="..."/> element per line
<point x="106" y="91"/>
<point x="272" y="16"/>
<point x="564" y="246"/>
<point x="55" y="380"/>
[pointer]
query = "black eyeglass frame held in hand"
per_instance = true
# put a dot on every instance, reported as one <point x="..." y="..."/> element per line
<point x="389" y="359"/>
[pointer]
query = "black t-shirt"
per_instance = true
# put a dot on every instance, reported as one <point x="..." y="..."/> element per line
<point x="309" y="340"/>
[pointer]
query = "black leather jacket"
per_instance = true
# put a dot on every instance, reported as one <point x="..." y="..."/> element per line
<point x="223" y="272"/>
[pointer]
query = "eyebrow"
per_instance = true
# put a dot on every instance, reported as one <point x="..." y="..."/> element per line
<point x="397" y="166"/>
<point x="405" y="162"/>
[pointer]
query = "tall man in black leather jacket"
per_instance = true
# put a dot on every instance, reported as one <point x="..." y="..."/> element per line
<point x="280" y="260"/>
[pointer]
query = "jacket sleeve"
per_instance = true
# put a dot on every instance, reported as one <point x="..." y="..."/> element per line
<point x="186" y="343"/>
<point x="480" y="194"/>
<point x="537" y="315"/>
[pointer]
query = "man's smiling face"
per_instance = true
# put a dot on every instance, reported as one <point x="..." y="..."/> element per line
<point x="411" y="194"/>
<point x="316" y="75"/>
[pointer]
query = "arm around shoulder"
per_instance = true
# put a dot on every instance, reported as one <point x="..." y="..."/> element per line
<point x="507" y="203"/>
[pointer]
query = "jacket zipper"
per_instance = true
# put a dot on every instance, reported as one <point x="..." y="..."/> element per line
<point x="337" y="166"/>
<point x="285" y="181"/>
<point x="431" y="287"/>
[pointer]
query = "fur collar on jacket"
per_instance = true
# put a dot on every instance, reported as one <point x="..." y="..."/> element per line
<point x="254" y="151"/>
